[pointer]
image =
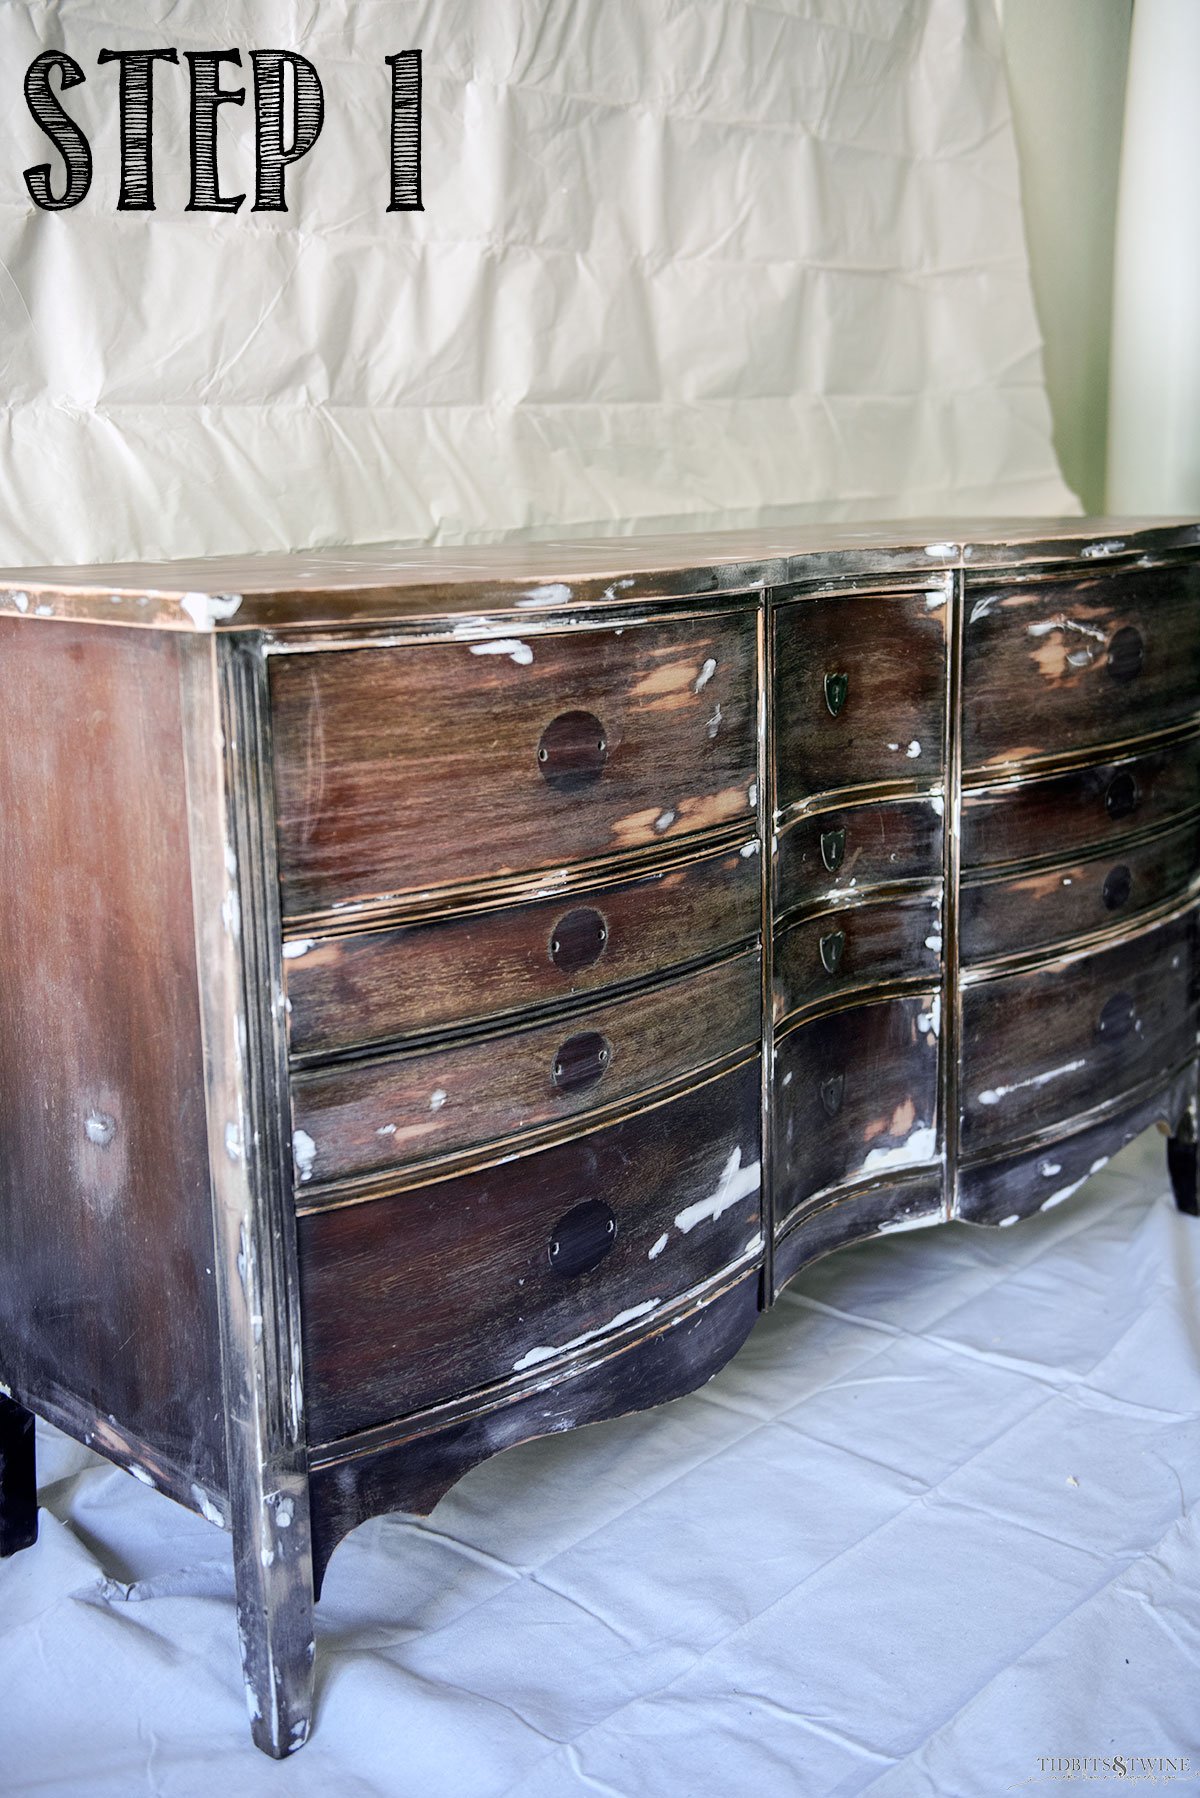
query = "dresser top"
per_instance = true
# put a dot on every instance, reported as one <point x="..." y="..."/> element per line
<point x="378" y="582"/>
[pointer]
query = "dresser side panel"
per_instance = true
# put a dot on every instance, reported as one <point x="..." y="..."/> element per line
<point x="107" y="1297"/>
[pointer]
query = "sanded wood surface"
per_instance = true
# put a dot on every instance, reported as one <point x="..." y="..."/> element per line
<point x="399" y="771"/>
<point x="1055" y="665"/>
<point x="374" y="985"/>
<point x="408" y="1300"/>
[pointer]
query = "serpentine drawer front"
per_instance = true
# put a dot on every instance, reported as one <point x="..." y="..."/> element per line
<point x="448" y="996"/>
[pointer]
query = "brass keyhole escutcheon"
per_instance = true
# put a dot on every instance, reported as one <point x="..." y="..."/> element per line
<point x="837" y="686"/>
<point x="831" y="947"/>
<point x="833" y="848"/>
<point x="832" y="1089"/>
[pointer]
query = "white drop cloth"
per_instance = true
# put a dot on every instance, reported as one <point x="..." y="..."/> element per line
<point x="682" y="262"/>
<point x="936" y="1520"/>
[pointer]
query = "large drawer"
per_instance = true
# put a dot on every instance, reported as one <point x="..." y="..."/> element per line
<point x="499" y="1274"/>
<point x="1043" y="1047"/>
<point x="362" y="1117"/>
<point x="372" y="986"/>
<point x="859" y="691"/>
<point x="841" y="853"/>
<point x="402" y="770"/>
<point x="855" y="1097"/>
<point x="1056" y="815"/>
<point x="1058" y="665"/>
<point x="1068" y="902"/>
<point x="854" y="946"/>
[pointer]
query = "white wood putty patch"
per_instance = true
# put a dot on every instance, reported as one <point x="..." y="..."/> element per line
<point x="139" y="1473"/>
<point x="206" y="610"/>
<point x="931" y="1020"/>
<point x="982" y="607"/>
<point x="1048" y="1169"/>
<point x="913" y="750"/>
<point x="386" y="1130"/>
<point x="231" y="913"/>
<point x="919" y="1145"/>
<point x="21" y="601"/>
<point x="705" y="675"/>
<point x="611" y="591"/>
<point x="99" y="1128"/>
<point x="659" y="1246"/>
<point x="736" y="1182"/>
<point x="437" y="1098"/>
<point x="233" y="1141"/>
<point x="934" y="942"/>
<point x="1108" y="546"/>
<point x="1064" y="1192"/>
<point x="1101" y="1161"/>
<point x="206" y="1507"/>
<point x="554" y="593"/>
<point x="714" y="723"/>
<point x="924" y="1222"/>
<point x="941" y="550"/>
<point x="994" y="1094"/>
<point x="1065" y="624"/>
<point x="304" y="1150"/>
<point x="1006" y="1221"/>
<point x="535" y="1355"/>
<point x="285" y="1510"/>
<point x="664" y="820"/>
<point x="937" y="805"/>
<point x="747" y="850"/>
<point x="293" y="951"/>
<point x="893" y="747"/>
<point x="752" y="793"/>
<point x="43" y="611"/>
<point x="520" y="652"/>
<point x="934" y="600"/>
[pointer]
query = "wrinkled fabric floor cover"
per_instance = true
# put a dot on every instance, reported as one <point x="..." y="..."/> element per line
<point x="933" y="1523"/>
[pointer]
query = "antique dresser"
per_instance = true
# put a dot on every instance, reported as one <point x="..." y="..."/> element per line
<point x="449" y="994"/>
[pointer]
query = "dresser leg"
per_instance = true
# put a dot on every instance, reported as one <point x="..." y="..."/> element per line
<point x="18" y="1478"/>
<point x="273" y="1570"/>
<point x="1181" y="1164"/>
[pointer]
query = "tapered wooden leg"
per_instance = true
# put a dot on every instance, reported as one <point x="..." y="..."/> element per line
<point x="1181" y="1164"/>
<point x="272" y="1557"/>
<point x="18" y="1478"/>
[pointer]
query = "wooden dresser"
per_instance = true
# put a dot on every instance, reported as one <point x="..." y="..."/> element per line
<point x="448" y="994"/>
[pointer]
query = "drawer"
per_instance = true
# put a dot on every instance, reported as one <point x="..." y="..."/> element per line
<point x="1042" y="1048"/>
<point x="1057" y="814"/>
<point x="431" y="766"/>
<point x="362" y="1117"/>
<point x="859" y="691"/>
<point x="413" y="1299"/>
<point x="855" y="946"/>
<point x="1061" y="665"/>
<point x="346" y="991"/>
<point x="833" y="854"/>
<point x="855" y="1097"/>
<point x="1007" y="917"/>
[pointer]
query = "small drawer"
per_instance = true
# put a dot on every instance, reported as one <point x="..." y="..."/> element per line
<point x="841" y="853"/>
<point x="856" y="946"/>
<point x="351" y="991"/>
<point x="855" y="1097"/>
<point x="438" y="765"/>
<point x="859" y="691"/>
<point x="361" y="1118"/>
<point x="1060" y="905"/>
<point x="1056" y="814"/>
<point x="1042" y="1048"/>
<point x="1059" y="665"/>
<point x="501" y="1274"/>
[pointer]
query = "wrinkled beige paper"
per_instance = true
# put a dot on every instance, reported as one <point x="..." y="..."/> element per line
<point x="686" y="264"/>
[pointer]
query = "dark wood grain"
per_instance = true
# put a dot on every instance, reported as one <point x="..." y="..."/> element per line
<point x="411" y="1474"/>
<point x="867" y="845"/>
<point x="400" y="771"/>
<point x="892" y="646"/>
<point x="1040" y="1048"/>
<point x="1004" y="1191"/>
<point x="106" y="1241"/>
<point x="18" y="1478"/>
<point x="358" y="1118"/>
<point x="855" y="1097"/>
<point x="372" y="986"/>
<point x="413" y="1299"/>
<point x="886" y="1207"/>
<point x="1047" y="664"/>
<point x="1054" y="816"/>
<point x="854" y="947"/>
<point x="1068" y="902"/>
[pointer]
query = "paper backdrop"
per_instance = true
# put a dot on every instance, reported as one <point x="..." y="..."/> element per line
<point x="680" y="264"/>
